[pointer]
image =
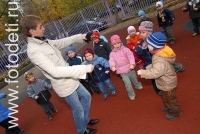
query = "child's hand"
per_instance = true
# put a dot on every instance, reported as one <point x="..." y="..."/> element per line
<point x="133" y="47"/>
<point x="173" y="19"/>
<point x="196" y="9"/>
<point x="86" y="80"/>
<point x="139" y="72"/>
<point x="183" y="9"/>
<point x="106" y="72"/>
<point x="113" y="69"/>
<point x="132" y="67"/>
<point x="36" y="97"/>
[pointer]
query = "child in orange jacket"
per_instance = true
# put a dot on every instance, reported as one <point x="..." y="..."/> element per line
<point x="132" y="40"/>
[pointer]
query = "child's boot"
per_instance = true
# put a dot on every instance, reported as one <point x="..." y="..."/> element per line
<point x="49" y="115"/>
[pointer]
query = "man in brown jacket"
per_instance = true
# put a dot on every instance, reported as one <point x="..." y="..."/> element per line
<point x="163" y="72"/>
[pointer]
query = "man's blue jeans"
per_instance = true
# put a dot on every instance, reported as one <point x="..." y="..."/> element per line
<point x="80" y="101"/>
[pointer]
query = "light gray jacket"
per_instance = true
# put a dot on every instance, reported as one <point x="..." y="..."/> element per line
<point x="48" y="58"/>
<point x="36" y="87"/>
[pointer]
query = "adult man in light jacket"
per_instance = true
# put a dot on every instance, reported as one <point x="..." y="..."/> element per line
<point x="46" y="56"/>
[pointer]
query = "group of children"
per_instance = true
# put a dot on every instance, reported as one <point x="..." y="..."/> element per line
<point x="146" y="48"/>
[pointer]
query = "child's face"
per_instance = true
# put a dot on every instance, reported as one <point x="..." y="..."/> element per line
<point x="150" y="47"/>
<point x="132" y="32"/>
<point x="71" y="54"/>
<point x="96" y="40"/>
<point x="144" y="34"/>
<point x="158" y="8"/>
<point x="31" y="78"/>
<point x="89" y="57"/>
<point x="141" y="17"/>
<point x="117" y="45"/>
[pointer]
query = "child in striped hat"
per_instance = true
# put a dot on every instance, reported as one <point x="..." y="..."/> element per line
<point x="163" y="72"/>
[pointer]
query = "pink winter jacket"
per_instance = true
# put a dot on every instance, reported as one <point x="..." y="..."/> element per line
<point x="121" y="59"/>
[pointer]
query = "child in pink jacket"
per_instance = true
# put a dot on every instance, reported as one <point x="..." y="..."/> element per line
<point x="123" y="62"/>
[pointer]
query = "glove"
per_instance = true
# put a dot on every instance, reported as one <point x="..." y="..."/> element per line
<point x="5" y="96"/>
<point x="88" y="37"/>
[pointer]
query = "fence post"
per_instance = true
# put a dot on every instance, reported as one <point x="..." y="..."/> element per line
<point x="65" y="33"/>
<point x="122" y="9"/>
<point x="56" y="29"/>
<point x="4" y="49"/>
<point x="84" y="20"/>
<point x="110" y="12"/>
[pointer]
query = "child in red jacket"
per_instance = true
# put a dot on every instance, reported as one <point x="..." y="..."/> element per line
<point x="132" y="40"/>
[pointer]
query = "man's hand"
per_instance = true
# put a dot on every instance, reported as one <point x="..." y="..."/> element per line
<point x="106" y="72"/>
<point x="89" y="68"/>
<point x="113" y="69"/>
<point x="87" y="37"/>
<point x="36" y="97"/>
<point x="132" y="66"/>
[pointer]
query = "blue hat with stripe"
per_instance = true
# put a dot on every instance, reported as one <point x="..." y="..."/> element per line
<point x="157" y="40"/>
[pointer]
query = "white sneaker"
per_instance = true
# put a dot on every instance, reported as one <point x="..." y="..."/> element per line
<point x="140" y="88"/>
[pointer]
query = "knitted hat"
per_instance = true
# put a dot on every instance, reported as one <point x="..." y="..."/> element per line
<point x="95" y="35"/>
<point x="27" y="75"/>
<point x="159" y="3"/>
<point x="115" y="39"/>
<point x="141" y="13"/>
<point x="146" y="26"/>
<point x="70" y="48"/>
<point x="157" y="40"/>
<point x="88" y="50"/>
<point x="130" y="28"/>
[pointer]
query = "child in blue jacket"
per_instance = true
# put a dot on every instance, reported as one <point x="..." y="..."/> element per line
<point x="100" y="73"/>
<point x="5" y="119"/>
<point x="77" y="59"/>
<point x="165" y="19"/>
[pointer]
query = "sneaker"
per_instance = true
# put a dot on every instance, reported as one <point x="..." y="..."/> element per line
<point x="105" y="97"/>
<point x="181" y="69"/>
<point x="55" y="111"/>
<point x="132" y="98"/>
<point x="165" y="109"/>
<point x="172" y="117"/>
<point x="113" y="93"/>
<point x="194" y="34"/>
<point x="50" y="117"/>
<point x="140" y="88"/>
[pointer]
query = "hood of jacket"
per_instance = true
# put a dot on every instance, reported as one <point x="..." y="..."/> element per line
<point x="168" y="54"/>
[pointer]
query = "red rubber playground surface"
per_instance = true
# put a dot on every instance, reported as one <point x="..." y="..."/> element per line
<point x="120" y="115"/>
